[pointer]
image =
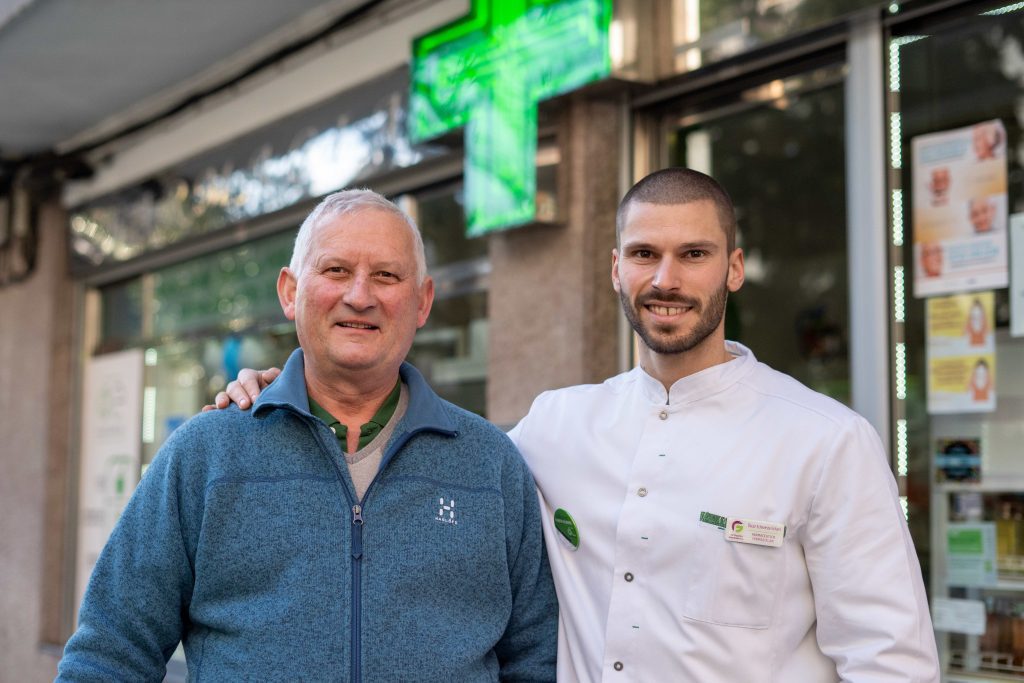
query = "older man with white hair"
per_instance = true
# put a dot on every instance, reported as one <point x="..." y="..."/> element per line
<point x="352" y="526"/>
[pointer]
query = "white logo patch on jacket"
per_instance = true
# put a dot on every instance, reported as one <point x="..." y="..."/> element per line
<point x="446" y="511"/>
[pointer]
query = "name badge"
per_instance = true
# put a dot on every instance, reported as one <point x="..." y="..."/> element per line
<point x="754" y="531"/>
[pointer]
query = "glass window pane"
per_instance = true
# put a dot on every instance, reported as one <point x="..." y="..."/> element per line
<point x="451" y="349"/>
<point x="946" y="75"/>
<point x="781" y="159"/>
<point x="706" y="31"/>
<point x="232" y="289"/>
<point x="121" y="317"/>
<point x="441" y="218"/>
<point x="353" y="136"/>
<point x="184" y="375"/>
<point x="226" y="291"/>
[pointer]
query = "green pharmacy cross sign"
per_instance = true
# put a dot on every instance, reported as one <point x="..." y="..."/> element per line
<point x="487" y="72"/>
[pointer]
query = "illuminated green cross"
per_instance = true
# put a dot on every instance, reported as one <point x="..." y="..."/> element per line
<point x="487" y="71"/>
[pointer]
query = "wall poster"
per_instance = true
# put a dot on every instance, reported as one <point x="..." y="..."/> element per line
<point x="111" y="452"/>
<point x="960" y="210"/>
<point x="961" y="351"/>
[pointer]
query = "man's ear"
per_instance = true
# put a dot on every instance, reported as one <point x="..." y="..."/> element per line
<point x="615" y="269"/>
<point x="426" y="301"/>
<point x="287" y="285"/>
<point x="736" y="273"/>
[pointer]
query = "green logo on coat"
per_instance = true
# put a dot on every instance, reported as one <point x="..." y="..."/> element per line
<point x="566" y="526"/>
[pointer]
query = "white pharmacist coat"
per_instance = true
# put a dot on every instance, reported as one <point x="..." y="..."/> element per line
<point x="652" y="593"/>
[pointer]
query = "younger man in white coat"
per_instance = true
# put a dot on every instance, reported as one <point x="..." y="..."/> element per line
<point x="708" y="518"/>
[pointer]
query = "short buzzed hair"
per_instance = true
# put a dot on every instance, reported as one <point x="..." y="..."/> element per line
<point x="350" y="201"/>
<point x="680" y="186"/>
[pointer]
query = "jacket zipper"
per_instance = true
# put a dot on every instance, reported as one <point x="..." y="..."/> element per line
<point x="357" y="560"/>
<point x="357" y="591"/>
<point x="357" y="540"/>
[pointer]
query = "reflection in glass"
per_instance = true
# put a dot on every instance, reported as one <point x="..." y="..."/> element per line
<point x="946" y="76"/>
<point x="227" y="291"/>
<point x="781" y="159"/>
<point x="303" y="156"/>
<point x="183" y="375"/>
<point x="451" y="349"/>
<point x="706" y="31"/>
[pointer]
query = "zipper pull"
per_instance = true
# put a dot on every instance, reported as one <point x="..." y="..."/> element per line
<point x="357" y="531"/>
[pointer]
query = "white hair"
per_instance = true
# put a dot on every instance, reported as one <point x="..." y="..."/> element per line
<point x="350" y="201"/>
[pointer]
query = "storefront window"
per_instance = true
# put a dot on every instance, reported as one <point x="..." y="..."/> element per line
<point x="226" y="291"/>
<point x="767" y="146"/>
<point x="707" y="31"/>
<point x="357" y="135"/>
<point x="956" y="95"/>
<point x="451" y="349"/>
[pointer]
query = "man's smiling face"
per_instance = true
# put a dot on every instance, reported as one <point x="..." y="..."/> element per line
<point x="357" y="300"/>
<point x="673" y="273"/>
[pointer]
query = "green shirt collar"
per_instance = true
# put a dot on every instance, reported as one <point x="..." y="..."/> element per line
<point x="367" y="432"/>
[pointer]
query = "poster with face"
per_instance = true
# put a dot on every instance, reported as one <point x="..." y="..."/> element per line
<point x="961" y="351"/>
<point x="960" y="210"/>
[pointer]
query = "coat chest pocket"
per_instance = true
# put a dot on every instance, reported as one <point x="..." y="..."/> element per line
<point x="732" y="584"/>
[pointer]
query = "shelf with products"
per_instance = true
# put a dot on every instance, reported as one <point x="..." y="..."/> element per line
<point x="1002" y="585"/>
<point x="996" y="654"/>
<point x="956" y="675"/>
<point x="977" y="534"/>
<point x="1001" y="511"/>
<point x="997" y="484"/>
<point x="983" y="565"/>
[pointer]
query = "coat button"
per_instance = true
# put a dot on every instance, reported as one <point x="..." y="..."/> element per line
<point x="663" y="415"/>
<point x="642" y="492"/>
<point x="617" y="666"/>
<point x="628" y="576"/>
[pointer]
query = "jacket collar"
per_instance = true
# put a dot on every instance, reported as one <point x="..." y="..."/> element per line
<point x="426" y="410"/>
<point x="700" y="384"/>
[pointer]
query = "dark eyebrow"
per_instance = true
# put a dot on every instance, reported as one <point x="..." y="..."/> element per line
<point x="707" y="245"/>
<point x="638" y="245"/>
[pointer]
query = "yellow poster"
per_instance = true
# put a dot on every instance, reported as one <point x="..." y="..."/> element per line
<point x="960" y="210"/>
<point x="961" y="353"/>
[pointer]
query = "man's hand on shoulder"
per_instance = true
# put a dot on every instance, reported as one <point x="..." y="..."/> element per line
<point x="244" y="390"/>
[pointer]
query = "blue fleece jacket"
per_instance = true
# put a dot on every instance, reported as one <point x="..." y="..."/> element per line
<point x="245" y="541"/>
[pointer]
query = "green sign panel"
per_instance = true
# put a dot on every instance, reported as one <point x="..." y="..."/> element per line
<point x="486" y="72"/>
<point x="967" y="541"/>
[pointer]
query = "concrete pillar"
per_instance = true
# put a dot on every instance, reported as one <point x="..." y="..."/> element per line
<point x="35" y="385"/>
<point x="553" y="313"/>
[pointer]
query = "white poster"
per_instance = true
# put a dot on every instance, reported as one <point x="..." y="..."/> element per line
<point x="960" y="210"/>
<point x="111" y="452"/>
<point x="1017" y="275"/>
<point x="959" y="616"/>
